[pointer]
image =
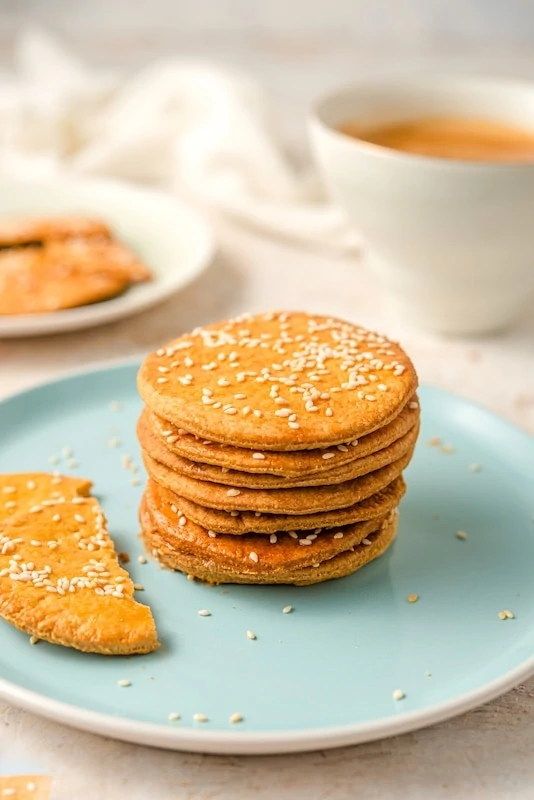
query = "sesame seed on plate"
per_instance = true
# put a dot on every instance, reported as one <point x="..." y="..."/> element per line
<point x="412" y="598"/>
<point x="141" y="559"/>
<point x="435" y="441"/>
<point x="287" y="609"/>
<point x="66" y="452"/>
<point x="34" y="640"/>
<point x="235" y="718"/>
<point x="124" y="682"/>
<point x="200" y="718"/>
<point x="114" y="443"/>
<point x="174" y="716"/>
<point x="506" y="614"/>
<point x="447" y="448"/>
<point x="251" y="635"/>
<point x="398" y="694"/>
<point x="204" y="612"/>
<point x="139" y="587"/>
<point x="474" y="468"/>
<point x="461" y="535"/>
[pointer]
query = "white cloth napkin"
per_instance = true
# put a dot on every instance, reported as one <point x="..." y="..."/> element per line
<point x="178" y="125"/>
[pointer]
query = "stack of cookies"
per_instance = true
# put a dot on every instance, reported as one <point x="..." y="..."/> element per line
<point x="275" y="446"/>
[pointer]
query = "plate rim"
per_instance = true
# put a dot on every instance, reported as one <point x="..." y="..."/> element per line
<point x="234" y="742"/>
<point x="123" y="306"/>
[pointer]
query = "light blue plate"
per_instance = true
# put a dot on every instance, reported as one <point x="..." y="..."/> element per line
<point x="323" y="675"/>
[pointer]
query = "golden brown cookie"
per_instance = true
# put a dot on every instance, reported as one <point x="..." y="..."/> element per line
<point x="254" y="559"/>
<point x="286" y="464"/>
<point x="306" y="500"/>
<point x="156" y="450"/>
<point x="60" y="580"/>
<point x="65" y="274"/>
<point x="21" y="231"/>
<point x="278" y="381"/>
<point x="25" y="787"/>
<point x="239" y="523"/>
<point x="20" y="492"/>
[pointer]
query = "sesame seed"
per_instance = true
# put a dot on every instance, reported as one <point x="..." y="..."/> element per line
<point x="233" y="492"/>
<point x="135" y="482"/>
<point x="124" y="682"/>
<point x="253" y="556"/>
<point x="200" y="718"/>
<point x="66" y="452"/>
<point x="293" y="425"/>
<point x="230" y="410"/>
<point x="212" y="534"/>
<point x="31" y="485"/>
<point x="8" y="792"/>
<point x="52" y="460"/>
<point x="10" y="504"/>
<point x="461" y="535"/>
<point x="114" y="443"/>
<point x="506" y="614"/>
<point x="329" y="412"/>
<point x="273" y="538"/>
<point x="304" y="541"/>
<point x="370" y="397"/>
<point x="173" y="716"/>
<point x="338" y="535"/>
<point x="412" y="598"/>
<point x="413" y="405"/>
<point x="398" y="694"/>
<point x="287" y="609"/>
<point x="447" y="448"/>
<point x="79" y="518"/>
<point x="293" y="534"/>
<point x="326" y="456"/>
<point x="235" y="718"/>
<point x="251" y="635"/>
<point x="204" y="612"/>
<point x="474" y="468"/>
<point x="34" y="639"/>
<point x="367" y="542"/>
<point x="139" y="587"/>
<point x="257" y="412"/>
<point x="9" y="490"/>
<point x="163" y="380"/>
<point x="142" y="559"/>
<point x="240" y="396"/>
<point x="282" y="412"/>
<point x="428" y="674"/>
<point x="258" y="456"/>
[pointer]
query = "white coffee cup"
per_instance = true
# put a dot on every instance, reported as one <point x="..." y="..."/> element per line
<point x="453" y="241"/>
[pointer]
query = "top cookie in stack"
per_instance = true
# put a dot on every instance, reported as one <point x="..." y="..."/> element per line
<point x="270" y="424"/>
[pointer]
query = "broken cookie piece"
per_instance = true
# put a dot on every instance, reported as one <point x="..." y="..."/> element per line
<point x="60" y="578"/>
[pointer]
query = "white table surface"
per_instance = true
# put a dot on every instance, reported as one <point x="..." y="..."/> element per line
<point x="487" y="753"/>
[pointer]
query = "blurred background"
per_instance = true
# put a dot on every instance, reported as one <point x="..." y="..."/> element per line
<point x="296" y="48"/>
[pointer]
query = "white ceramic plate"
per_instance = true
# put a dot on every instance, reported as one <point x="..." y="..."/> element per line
<point x="172" y="240"/>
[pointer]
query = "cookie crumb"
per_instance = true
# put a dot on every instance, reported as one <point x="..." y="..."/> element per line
<point x="412" y="598"/>
<point x="435" y="441"/>
<point x="124" y="558"/>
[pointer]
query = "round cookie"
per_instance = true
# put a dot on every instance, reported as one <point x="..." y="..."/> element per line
<point x="286" y="464"/>
<point x="304" y="500"/>
<point x="239" y="523"/>
<point x="278" y="381"/>
<point x="283" y="562"/>
<point x="156" y="450"/>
